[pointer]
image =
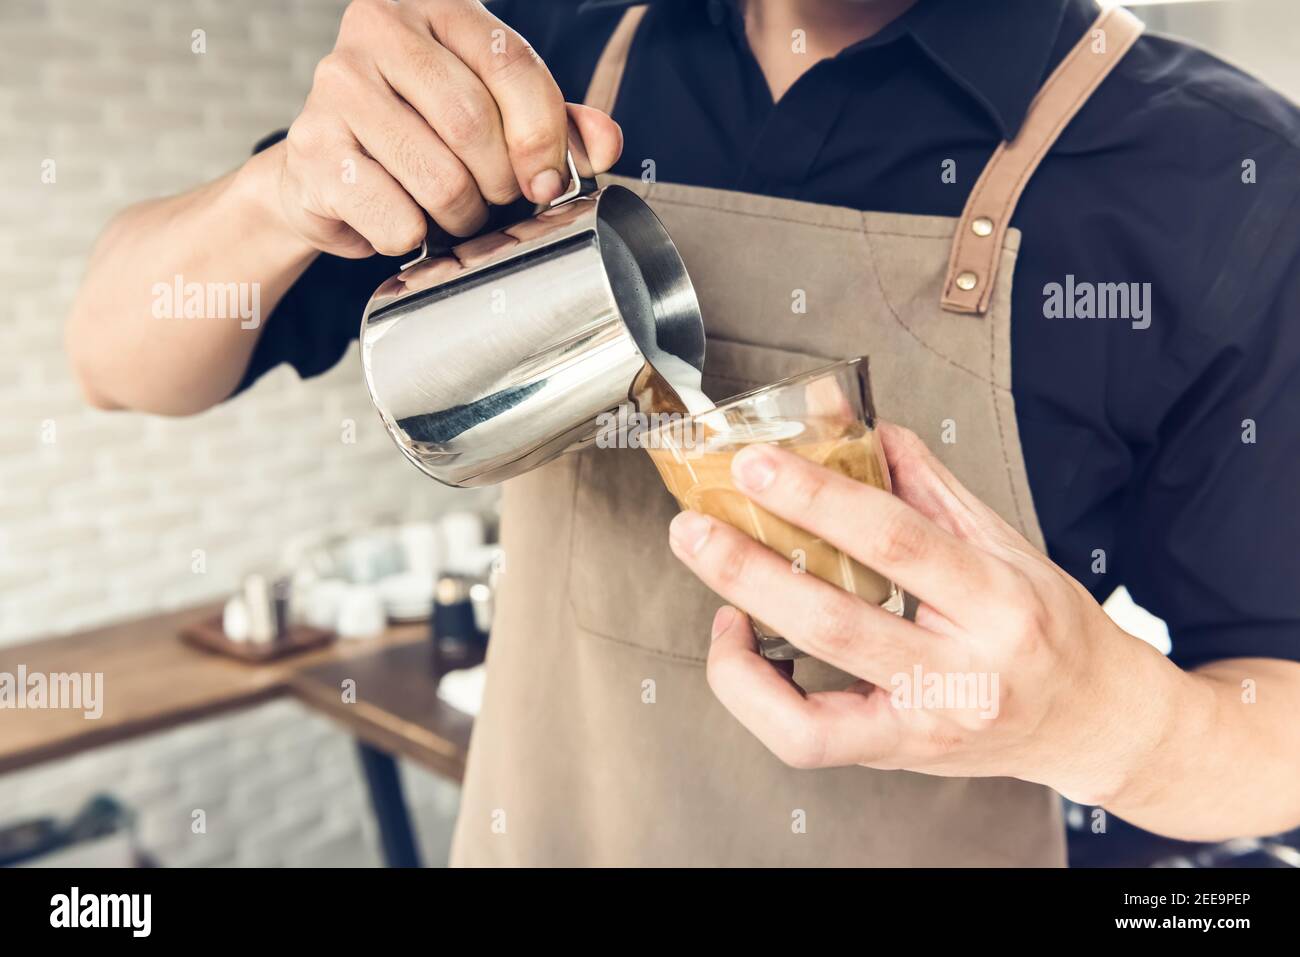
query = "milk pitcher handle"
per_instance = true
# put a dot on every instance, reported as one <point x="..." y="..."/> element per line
<point x="580" y="186"/>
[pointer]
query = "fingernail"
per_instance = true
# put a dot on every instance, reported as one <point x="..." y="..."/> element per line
<point x="546" y="186"/>
<point x="722" y="621"/>
<point x="688" y="532"/>
<point x="752" y="469"/>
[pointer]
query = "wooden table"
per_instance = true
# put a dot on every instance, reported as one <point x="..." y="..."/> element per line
<point x="397" y="712"/>
<point x="396" y="709"/>
<point x="152" y="682"/>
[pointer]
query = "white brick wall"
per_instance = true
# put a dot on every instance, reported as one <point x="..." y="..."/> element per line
<point x="100" y="513"/>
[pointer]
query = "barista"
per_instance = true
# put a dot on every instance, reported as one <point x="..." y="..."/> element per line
<point x="833" y="147"/>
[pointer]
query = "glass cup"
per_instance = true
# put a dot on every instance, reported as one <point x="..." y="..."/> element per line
<point x="825" y="416"/>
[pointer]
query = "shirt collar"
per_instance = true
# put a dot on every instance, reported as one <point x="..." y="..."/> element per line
<point x="999" y="60"/>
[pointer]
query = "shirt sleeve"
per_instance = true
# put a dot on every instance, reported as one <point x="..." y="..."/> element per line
<point x="1211" y="535"/>
<point x="311" y="327"/>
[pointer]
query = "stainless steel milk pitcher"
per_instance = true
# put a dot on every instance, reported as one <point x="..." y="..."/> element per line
<point x="498" y="355"/>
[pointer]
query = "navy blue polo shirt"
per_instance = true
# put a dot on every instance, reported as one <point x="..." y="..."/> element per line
<point x="1174" y="449"/>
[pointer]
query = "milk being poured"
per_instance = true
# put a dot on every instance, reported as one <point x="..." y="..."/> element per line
<point x="637" y="306"/>
<point x="676" y="388"/>
<point x="683" y="379"/>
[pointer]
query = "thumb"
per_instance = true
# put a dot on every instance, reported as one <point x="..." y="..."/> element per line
<point x="598" y="136"/>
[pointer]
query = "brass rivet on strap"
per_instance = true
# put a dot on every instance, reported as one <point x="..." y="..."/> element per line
<point x="967" y="281"/>
<point x="982" y="226"/>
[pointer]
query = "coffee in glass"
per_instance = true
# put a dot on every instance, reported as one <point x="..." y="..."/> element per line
<point x="825" y="416"/>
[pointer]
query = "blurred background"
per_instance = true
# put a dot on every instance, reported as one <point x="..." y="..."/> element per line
<point x="103" y="516"/>
<point x="101" y="513"/>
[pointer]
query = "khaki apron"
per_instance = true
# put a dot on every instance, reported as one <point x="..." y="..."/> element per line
<point x="599" y="741"/>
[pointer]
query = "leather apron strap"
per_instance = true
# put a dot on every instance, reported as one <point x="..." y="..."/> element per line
<point x="977" y="245"/>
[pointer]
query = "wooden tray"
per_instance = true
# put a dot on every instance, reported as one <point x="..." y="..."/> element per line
<point x="209" y="635"/>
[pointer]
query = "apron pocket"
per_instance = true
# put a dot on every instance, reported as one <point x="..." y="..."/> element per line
<point x="625" y="584"/>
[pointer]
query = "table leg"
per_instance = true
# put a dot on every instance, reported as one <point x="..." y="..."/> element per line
<point x="385" y="786"/>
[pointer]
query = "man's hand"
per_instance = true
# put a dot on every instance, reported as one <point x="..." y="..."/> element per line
<point x="423" y="106"/>
<point x="1021" y="673"/>
<point x="427" y="106"/>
